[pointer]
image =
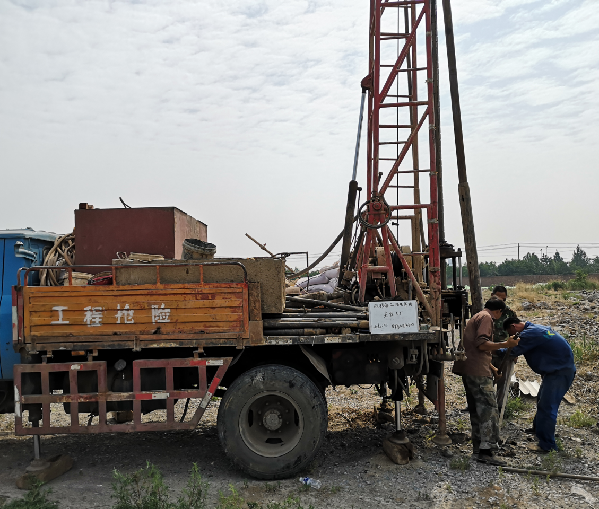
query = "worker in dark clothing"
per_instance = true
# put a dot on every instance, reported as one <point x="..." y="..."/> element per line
<point x="478" y="380"/>
<point x="499" y="333"/>
<point x="549" y="355"/>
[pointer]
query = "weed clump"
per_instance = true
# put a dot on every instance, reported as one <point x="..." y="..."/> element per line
<point x="584" y="350"/>
<point x="145" y="489"/>
<point x="232" y="501"/>
<point x="513" y="407"/>
<point x="581" y="420"/>
<point x="551" y="462"/>
<point x="460" y="463"/>
<point x="580" y="282"/>
<point x="289" y="503"/>
<point x="33" y="499"/>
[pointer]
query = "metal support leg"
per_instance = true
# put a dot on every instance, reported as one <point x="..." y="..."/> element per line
<point x="37" y="464"/>
<point x="399" y="437"/>
<point x="36" y="447"/>
<point x="420" y="409"/>
<point x="397" y="446"/>
<point x="441" y="437"/>
<point x="398" y="416"/>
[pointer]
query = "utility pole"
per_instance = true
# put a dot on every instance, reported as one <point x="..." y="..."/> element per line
<point x="463" y="187"/>
<point x="518" y="251"/>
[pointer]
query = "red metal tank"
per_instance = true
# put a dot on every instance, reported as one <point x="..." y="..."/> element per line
<point x="101" y="233"/>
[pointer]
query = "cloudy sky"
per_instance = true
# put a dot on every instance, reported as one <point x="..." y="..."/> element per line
<point x="243" y="114"/>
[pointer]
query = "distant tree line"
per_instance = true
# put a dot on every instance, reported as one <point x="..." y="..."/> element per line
<point x="532" y="265"/>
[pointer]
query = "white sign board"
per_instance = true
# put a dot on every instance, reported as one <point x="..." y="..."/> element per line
<point x="393" y="317"/>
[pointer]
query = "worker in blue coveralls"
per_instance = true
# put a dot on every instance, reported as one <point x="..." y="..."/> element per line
<point x="549" y="355"/>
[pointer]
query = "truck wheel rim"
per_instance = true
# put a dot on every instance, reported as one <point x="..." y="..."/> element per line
<point x="271" y="424"/>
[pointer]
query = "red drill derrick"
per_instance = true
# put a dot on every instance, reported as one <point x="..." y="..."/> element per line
<point x="392" y="67"/>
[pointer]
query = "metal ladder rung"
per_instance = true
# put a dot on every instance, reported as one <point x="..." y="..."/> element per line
<point x="392" y="142"/>
<point x="399" y="105"/>
<point x="407" y="69"/>
<point x="401" y="3"/>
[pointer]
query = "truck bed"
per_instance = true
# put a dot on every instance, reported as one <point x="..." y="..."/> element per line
<point x="132" y="316"/>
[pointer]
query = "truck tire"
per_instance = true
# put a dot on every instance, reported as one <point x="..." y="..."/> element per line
<point x="271" y="422"/>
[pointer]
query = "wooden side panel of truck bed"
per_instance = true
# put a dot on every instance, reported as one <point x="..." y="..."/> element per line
<point x="91" y="313"/>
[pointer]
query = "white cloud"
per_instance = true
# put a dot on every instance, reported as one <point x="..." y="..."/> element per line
<point x="244" y="114"/>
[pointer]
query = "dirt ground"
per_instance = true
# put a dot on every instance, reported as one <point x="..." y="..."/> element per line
<point x="354" y="471"/>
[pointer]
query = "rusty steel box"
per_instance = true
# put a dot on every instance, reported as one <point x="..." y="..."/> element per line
<point x="101" y="233"/>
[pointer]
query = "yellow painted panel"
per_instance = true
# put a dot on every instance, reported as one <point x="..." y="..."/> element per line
<point x="75" y="312"/>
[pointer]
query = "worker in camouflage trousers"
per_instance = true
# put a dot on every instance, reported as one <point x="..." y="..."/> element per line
<point x="477" y="377"/>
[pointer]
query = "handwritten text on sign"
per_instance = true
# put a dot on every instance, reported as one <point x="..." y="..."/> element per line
<point x="393" y="317"/>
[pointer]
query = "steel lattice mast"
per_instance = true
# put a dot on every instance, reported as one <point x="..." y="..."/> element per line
<point x="392" y="69"/>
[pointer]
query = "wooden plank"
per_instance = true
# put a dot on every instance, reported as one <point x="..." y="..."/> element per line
<point x="78" y="314"/>
<point x="256" y="332"/>
<point x="134" y="289"/>
<point x="76" y="318"/>
<point x="184" y="309"/>
<point x="111" y="328"/>
<point x="169" y="342"/>
<point x="181" y="301"/>
<point x="255" y="302"/>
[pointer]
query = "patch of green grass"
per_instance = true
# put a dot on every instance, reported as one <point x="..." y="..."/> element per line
<point x="513" y="407"/>
<point x="272" y="488"/>
<point x="581" y="420"/>
<point x="232" y="501"/>
<point x="551" y="462"/>
<point x="33" y="499"/>
<point x="288" y="503"/>
<point x="462" y="424"/>
<point x="580" y="282"/>
<point x="584" y="350"/>
<point x="145" y="489"/>
<point x="460" y="463"/>
<point x="304" y="488"/>
<point x="536" y="487"/>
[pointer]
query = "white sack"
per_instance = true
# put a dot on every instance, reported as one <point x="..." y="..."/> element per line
<point x="319" y="288"/>
<point x="320" y="279"/>
<point x="332" y="273"/>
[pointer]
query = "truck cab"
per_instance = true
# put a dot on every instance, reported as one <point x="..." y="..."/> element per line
<point x="18" y="248"/>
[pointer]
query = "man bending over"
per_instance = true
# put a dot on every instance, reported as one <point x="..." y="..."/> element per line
<point x="549" y="355"/>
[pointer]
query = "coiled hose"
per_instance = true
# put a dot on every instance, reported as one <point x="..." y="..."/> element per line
<point x="61" y="254"/>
